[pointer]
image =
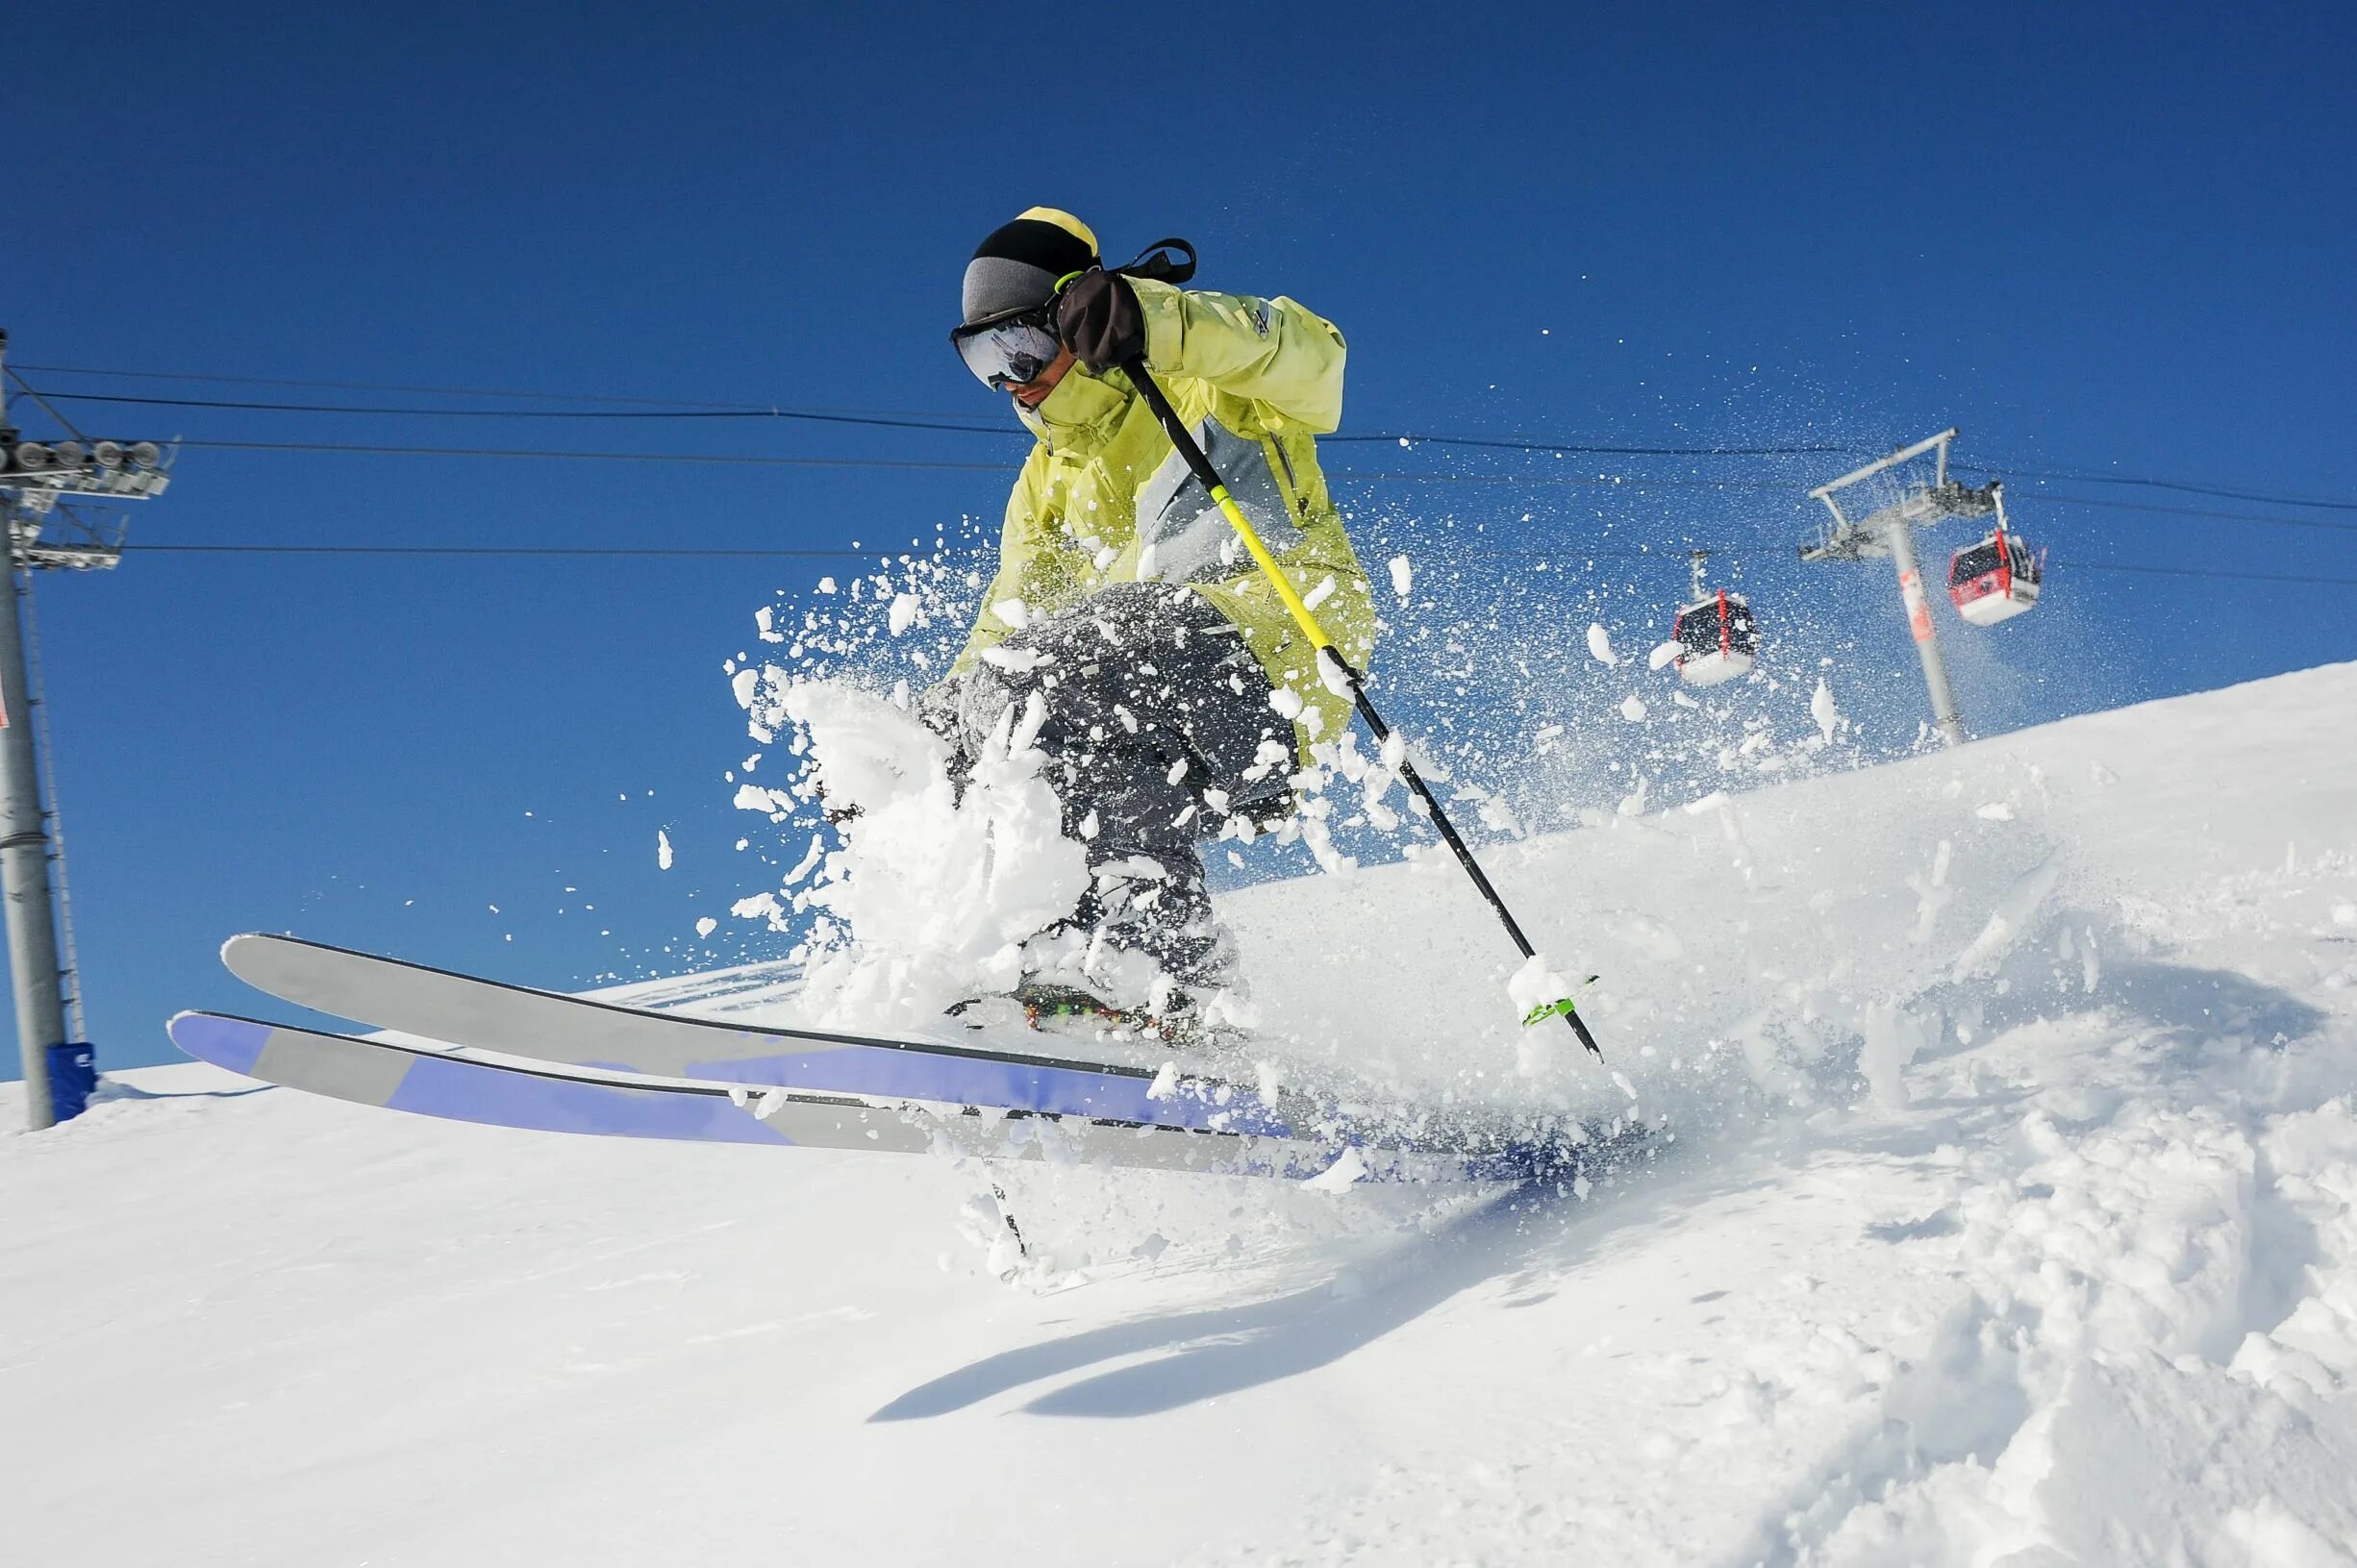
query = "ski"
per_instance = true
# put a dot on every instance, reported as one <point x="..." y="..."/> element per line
<point x="491" y="1015"/>
<point x="427" y="1082"/>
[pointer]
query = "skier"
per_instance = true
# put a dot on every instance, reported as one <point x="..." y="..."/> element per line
<point x="1179" y="696"/>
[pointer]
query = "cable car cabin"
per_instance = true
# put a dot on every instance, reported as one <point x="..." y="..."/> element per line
<point x="1995" y="580"/>
<point x="1717" y="638"/>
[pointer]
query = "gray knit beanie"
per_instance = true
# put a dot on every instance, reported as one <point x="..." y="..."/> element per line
<point x="1019" y="265"/>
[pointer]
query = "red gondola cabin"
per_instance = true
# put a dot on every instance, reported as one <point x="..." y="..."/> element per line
<point x="1995" y="580"/>
<point x="1716" y="638"/>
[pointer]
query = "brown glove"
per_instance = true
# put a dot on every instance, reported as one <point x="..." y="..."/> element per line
<point x="1098" y="320"/>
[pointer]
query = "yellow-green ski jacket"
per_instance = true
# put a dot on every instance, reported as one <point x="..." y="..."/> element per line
<point x="1104" y="498"/>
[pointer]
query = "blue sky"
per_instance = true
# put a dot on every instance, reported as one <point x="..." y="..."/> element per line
<point x="2100" y="238"/>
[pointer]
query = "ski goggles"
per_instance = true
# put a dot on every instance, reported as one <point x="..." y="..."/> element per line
<point x="1011" y="351"/>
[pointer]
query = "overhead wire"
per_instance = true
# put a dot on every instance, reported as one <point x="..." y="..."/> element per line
<point x="652" y="552"/>
<point x="1628" y="482"/>
<point x="414" y="390"/>
<point x="2211" y="573"/>
<point x="1583" y="449"/>
<point x="1565" y="552"/>
<point x="2191" y="487"/>
<point x="645" y="408"/>
<point x="642" y="408"/>
<point x="743" y="411"/>
<point x="28" y="390"/>
<point x="725" y="459"/>
<point x="807" y="416"/>
<point x="2098" y="501"/>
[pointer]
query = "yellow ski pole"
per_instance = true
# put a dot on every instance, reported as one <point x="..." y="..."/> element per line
<point x="1327" y="653"/>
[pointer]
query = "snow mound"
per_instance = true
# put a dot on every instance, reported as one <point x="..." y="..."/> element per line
<point x="2007" y="1214"/>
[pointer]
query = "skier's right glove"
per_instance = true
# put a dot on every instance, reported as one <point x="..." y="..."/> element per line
<point x="1098" y="320"/>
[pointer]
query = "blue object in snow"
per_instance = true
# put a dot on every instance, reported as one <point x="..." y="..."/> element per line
<point x="73" y="1073"/>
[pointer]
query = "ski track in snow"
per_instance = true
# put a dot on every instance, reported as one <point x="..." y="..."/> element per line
<point x="2012" y="1218"/>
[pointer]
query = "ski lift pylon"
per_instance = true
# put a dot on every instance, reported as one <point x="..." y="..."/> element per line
<point x="1996" y="579"/>
<point x="1716" y="635"/>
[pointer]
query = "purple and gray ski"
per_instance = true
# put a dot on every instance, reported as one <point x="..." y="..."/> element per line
<point x="415" y="1078"/>
<point x="547" y="1025"/>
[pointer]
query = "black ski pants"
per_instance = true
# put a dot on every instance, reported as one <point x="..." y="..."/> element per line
<point x="1158" y="728"/>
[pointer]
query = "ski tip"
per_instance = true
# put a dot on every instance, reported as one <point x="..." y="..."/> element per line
<point x="190" y="1024"/>
<point x="250" y="955"/>
<point x="234" y="1043"/>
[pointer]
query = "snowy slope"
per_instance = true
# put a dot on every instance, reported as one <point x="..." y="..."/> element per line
<point x="2012" y="1219"/>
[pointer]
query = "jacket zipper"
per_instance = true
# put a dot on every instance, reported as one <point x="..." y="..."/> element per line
<point x="1292" y="485"/>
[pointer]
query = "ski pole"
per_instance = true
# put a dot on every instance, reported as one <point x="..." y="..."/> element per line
<point x="1324" y="647"/>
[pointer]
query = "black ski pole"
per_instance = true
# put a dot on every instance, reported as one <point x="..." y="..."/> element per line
<point x="1188" y="449"/>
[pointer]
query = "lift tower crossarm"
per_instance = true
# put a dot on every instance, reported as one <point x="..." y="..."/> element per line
<point x="1905" y="453"/>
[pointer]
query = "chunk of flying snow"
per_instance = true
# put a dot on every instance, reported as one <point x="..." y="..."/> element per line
<point x="1663" y="653"/>
<point x="1285" y="701"/>
<point x="1340" y="1176"/>
<point x="1026" y="728"/>
<point x="1996" y="811"/>
<point x="1015" y="660"/>
<point x="1319" y="594"/>
<point x="705" y="925"/>
<point x="1403" y="577"/>
<point x="809" y="858"/>
<point x="1333" y="676"/>
<point x="1013" y="612"/>
<point x="1821" y="709"/>
<point x="663" y="850"/>
<point x="936" y="887"/>
<point x="1601" y="644"/>
<point x="760" y="907"/>
<point x="751" y="797"/>
<point x="1535" y="985"/>
<point x="2007" y="922"/>
<point x="826" y="585"/>
<point x="1632" y="708"/>
<point x="903" y="614"/>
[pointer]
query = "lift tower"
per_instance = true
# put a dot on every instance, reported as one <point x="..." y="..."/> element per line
<point x="1889" y="529"/>
<point x="43" y="535"/>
